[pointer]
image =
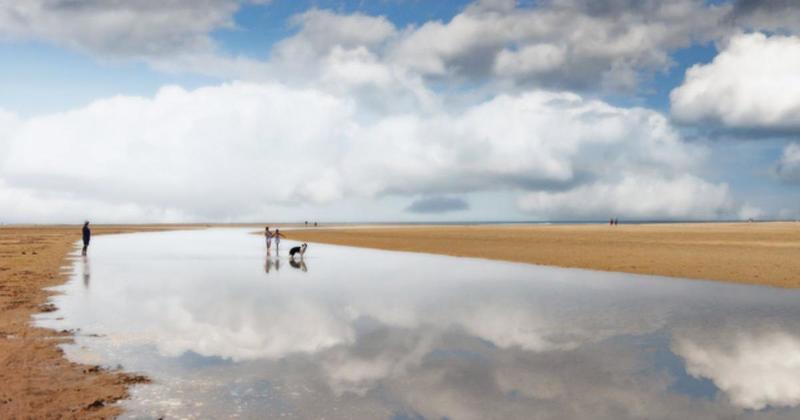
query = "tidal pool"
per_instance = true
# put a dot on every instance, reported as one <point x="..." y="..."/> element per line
<point x="224" y="330"/>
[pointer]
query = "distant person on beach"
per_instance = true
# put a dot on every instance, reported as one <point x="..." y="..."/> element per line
<point x="87" y="236"/>
<point x="268" y="237"/>
<point x="277" y="236"/>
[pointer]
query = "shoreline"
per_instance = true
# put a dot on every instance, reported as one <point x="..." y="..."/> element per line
<point x="765" y="253"/>
<point x="38" y="380"/>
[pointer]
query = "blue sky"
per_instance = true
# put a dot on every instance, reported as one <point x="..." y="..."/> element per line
<point x="423" y="110"/>
<point x="38" y="78"/>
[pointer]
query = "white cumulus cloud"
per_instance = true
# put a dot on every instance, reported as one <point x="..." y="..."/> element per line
<point x="753" y="83"/>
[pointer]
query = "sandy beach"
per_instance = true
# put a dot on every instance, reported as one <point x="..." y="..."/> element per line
<point x="38" y="382"/>
<point x="754" y="253"/>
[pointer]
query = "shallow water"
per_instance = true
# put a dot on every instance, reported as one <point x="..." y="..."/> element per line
<point x="225" y="331"/>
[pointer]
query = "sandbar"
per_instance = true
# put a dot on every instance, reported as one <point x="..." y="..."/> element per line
<point x="765" y="253"/>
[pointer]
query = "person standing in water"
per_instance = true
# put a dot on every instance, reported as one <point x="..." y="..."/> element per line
<point x="268" y="237"/>
<point x="87" y="236"/>
<point x="277" y="235"/>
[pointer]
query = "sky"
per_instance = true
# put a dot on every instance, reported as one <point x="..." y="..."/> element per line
<point x="398" y="110"/>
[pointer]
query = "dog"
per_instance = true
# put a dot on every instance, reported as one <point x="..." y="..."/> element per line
<point x="298" y="250"/>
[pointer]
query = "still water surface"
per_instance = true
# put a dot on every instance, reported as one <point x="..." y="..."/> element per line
<point x="226" y="331"/>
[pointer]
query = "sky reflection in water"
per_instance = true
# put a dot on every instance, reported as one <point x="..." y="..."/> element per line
<point x="354" y="333"/>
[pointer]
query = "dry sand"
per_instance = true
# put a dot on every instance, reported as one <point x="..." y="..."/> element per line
<point x="756" y="253"/>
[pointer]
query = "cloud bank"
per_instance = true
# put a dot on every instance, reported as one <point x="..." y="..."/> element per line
<point x="225" y="152"/>
<point x="636" y="196"/>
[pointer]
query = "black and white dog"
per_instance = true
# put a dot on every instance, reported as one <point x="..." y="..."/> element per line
<point x="298" y="250"/>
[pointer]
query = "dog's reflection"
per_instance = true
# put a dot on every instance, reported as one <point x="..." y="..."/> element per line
<point x="299" y="264"/>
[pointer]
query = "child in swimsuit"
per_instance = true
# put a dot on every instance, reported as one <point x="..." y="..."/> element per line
<point x="268" y="237"/>
<point x="277" y="236"/>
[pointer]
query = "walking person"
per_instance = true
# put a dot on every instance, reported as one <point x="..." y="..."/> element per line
<point x="268" y="238"/>
<point x="87" y="236"/>
<point x="277" y="236"/>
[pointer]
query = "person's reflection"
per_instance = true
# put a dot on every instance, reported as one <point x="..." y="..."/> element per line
<point x="298" y="264"/>
<point x="269" y="264"/>
<point x="86" y="272"/>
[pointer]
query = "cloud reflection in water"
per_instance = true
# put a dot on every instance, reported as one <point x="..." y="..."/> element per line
<point x="379" y="334"/>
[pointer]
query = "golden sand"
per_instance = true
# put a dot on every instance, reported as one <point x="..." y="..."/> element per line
<point x="756" y="253"/>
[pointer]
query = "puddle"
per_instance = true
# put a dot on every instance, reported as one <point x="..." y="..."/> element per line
<point x="225" y="331"/>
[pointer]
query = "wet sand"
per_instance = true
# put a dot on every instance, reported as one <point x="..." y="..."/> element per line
<point x="754" y="253"/>
<point x="37" y="381"/>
